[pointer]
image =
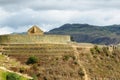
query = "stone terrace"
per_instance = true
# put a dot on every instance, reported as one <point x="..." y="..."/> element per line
<point x="25" y="50"/>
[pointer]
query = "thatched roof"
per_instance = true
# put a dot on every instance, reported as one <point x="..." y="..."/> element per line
<point x="35" y="30"/>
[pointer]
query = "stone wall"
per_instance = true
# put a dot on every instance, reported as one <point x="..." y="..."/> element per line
<point x="27" y="39"/>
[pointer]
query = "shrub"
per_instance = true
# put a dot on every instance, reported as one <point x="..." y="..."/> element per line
<point x="32" y="60"/>
<point x="96" y="50"/>
<point x="81" y="72"/>
<point x="12" y="76"/>
<point x="106" y="51"/>
<point x="76" y="63"/>
<point x="22" y="70"/>
<point x="116" y="52"/>
<point x="72" y="39"/>
<point x="35" y="67"/>
<point x="35" y="77"/>
<point x="73" y="57"/>
<point x="92" y="50"/>
<point x="44" y="78"/>
<point x="66" y="57"/>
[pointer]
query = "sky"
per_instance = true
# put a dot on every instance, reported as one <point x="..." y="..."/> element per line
<point x="20" y="15"/>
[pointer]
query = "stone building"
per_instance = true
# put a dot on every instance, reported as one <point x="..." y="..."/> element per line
<point x="35" y="31"/>
<point x="34" y="35"/>
<point x="34" y="42"/>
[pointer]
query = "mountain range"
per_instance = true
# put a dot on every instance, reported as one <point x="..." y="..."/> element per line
<point x="90" y="33"/>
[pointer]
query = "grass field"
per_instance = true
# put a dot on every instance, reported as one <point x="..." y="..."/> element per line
<point x="3" y="75"/>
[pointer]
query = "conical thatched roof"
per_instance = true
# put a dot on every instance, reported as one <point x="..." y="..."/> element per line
<point x="35" y="30"/>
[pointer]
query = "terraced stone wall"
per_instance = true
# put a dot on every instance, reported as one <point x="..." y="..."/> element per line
<point x="27" y="39"/>
<point x="23" y="51"/>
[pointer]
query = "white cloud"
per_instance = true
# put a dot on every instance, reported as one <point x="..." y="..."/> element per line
<point x="19" y="15"/>
<point x="15" y="5"/>
<point x="5" y="30"/>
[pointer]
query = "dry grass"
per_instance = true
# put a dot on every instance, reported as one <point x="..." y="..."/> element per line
<point x="65" y="65"/>
<point x="100" y="66"/>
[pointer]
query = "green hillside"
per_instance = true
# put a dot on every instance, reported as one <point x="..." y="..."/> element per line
<point x="90" y="33"/>
<point x="4" y="76"/>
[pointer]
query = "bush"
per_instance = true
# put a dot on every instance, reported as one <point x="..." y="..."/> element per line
<point x="66" y="57"/>
<point x="106" y="51"/>
<point x="92" y="50"/>
<point x="81" y="72"/>
<point x="35" y="67"/>
<point x="116" y="52"/>
<point x="32" y="60"/>
<point x="72" y="39"/>
<point x="22" y="70"/>
<point x="12" y="76"/>
<point x="96" y="50"/>
<point x="35" y="77"/>
<point x="73" y="57"/>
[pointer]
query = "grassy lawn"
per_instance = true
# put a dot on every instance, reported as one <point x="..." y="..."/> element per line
<point x="3" y="75"/>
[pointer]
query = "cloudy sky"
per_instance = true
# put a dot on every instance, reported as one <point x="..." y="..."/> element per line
<point x="19" y="15"/>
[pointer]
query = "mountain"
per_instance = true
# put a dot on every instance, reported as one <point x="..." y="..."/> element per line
<point x="90" y="33"/>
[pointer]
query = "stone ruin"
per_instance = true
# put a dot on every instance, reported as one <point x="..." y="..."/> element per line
<point x="35" y="42"/>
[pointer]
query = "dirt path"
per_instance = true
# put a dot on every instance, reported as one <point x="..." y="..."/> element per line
<point x="77" y="57"/>
<point x="24" y="75"/>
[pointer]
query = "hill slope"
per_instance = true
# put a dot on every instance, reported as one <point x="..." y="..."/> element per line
<point x="89" y="33"/>
<point x="86" y="62"/>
